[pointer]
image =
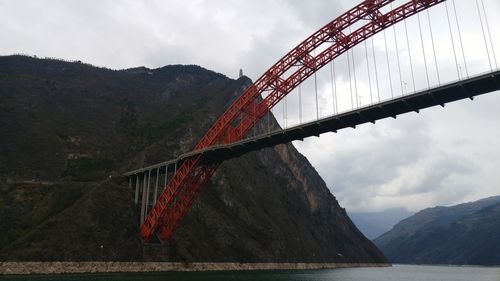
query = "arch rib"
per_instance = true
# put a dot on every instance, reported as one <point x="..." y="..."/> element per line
<point x="380" y="23"/>
<point x="366" y="9"/>
<point x="192" y="175"/>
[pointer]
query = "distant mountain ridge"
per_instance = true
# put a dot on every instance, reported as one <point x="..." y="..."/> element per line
<point x="467" y="233"/>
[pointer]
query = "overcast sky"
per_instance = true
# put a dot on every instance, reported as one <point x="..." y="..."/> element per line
<point x="438" y="157"/>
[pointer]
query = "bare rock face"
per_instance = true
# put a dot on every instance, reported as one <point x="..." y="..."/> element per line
<point x="64" y="132"/>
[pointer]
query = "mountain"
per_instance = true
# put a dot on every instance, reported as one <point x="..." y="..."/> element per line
<point x="374" y="224"/>
<point x="65" y="127"/>
<point x="463" y="234"/>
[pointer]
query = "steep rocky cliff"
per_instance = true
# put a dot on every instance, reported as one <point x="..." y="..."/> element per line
<point x="65" y="127"/>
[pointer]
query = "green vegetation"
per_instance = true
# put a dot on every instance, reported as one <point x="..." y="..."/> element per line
<point x="85" y="169"/>
<point x="29" y="205"/>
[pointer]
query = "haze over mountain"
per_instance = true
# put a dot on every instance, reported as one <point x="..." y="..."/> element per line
<point x="374" y="224"/>
<point x="468" y="233"/>
<point x="66" y="126"/>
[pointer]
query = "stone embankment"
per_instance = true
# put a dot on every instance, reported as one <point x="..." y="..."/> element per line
<point x="102" y="267"/>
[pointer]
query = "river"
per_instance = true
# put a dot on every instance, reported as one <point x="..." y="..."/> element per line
<point x="394" y="273"/>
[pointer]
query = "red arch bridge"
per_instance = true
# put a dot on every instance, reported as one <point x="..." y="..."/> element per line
<point x="382" y="58"/>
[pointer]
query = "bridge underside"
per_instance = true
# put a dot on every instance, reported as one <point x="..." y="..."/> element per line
<point x="464" y="89"/>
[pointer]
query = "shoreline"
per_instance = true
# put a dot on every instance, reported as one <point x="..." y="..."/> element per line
<point x="28" y="268"/>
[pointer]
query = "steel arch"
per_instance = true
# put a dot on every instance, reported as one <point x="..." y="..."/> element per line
<point x="180" y="192"/>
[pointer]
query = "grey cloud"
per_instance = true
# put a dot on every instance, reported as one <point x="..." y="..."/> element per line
<point x="438" y="157"/>
<point x="315" y="14"/>
<point x="390" y="164"/>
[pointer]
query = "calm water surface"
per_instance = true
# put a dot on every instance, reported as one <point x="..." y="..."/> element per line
<point x="396" y="273"/>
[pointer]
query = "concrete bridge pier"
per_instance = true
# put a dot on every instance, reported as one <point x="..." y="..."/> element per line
<point x="147" y="187"/>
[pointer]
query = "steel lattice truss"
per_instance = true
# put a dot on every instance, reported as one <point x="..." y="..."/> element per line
<point x="179" y="194"/>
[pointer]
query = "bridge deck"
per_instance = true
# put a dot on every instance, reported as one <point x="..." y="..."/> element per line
<point x="467" y="88"/>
